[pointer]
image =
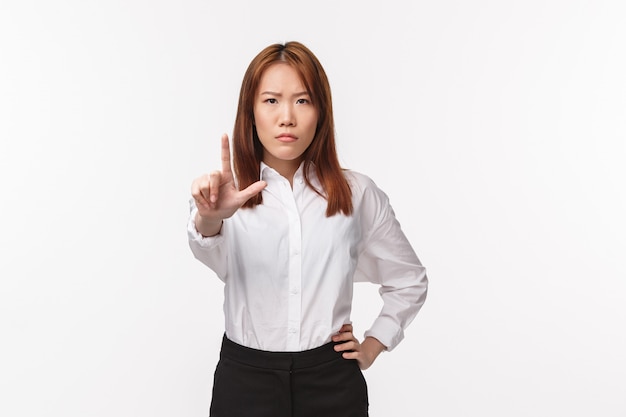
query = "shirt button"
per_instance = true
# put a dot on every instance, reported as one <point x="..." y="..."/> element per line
<point x="295" y="291"/>
<point x="292" y="330"/>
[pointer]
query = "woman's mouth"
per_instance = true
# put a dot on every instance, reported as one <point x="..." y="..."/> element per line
<point x="286" y="137"/>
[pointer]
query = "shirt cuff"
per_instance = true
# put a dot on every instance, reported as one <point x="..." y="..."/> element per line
<point x="387" y="332"/>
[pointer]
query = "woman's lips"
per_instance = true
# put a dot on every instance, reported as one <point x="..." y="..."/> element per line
<point x="286" y="138"/>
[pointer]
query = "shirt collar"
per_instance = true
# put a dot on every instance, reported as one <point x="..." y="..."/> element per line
<point x="266" y="170"/>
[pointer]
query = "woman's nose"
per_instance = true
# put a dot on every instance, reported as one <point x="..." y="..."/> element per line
<point x="287" y="117"/>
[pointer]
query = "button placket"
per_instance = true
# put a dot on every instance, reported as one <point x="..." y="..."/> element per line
<point x="294" y="300"/>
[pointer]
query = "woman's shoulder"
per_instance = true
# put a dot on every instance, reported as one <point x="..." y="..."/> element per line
<point x="357" y="179"/>
<point x="361" y="184"/>
<point x="371" y="203"/>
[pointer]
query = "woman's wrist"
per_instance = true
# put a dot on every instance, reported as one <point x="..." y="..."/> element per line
<point x="372" y="347"/>
<point x="207" y="227"/>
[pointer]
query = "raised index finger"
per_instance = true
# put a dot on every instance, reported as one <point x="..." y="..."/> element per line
<point x="226" y="169"/>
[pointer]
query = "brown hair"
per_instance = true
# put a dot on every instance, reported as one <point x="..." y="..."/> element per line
<point x="248" y="150"/>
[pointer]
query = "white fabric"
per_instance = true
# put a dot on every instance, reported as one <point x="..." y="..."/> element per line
<point x="288" y="269"/>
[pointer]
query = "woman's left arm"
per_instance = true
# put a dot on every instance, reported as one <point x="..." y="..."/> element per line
<point x="387" y="258"/>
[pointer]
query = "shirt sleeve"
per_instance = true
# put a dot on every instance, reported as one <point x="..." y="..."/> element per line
<point x="211" y="251"/>
<point x="388" y="259"/>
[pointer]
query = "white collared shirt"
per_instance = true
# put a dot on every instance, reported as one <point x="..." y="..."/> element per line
<point x="288" y="270"/>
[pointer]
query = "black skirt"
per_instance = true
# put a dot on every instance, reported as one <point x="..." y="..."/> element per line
<point x="312" y="383"/>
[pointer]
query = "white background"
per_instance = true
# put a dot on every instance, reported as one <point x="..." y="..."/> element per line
<point x="497" y="128"/>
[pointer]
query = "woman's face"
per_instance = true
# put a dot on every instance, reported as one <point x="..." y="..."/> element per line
<point x="284" y="116"/>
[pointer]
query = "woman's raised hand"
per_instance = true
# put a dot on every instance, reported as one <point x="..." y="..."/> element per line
<point x="217" y="197"/>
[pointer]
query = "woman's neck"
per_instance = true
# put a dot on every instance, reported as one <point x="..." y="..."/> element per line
<point x="286" y="169"/>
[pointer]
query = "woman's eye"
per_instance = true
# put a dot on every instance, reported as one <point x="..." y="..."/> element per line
<point x="302" y="101"/>
<point x="271" y="101"/>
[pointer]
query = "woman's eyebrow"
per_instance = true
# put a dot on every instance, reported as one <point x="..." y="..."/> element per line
<point x="272" y="93"/>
